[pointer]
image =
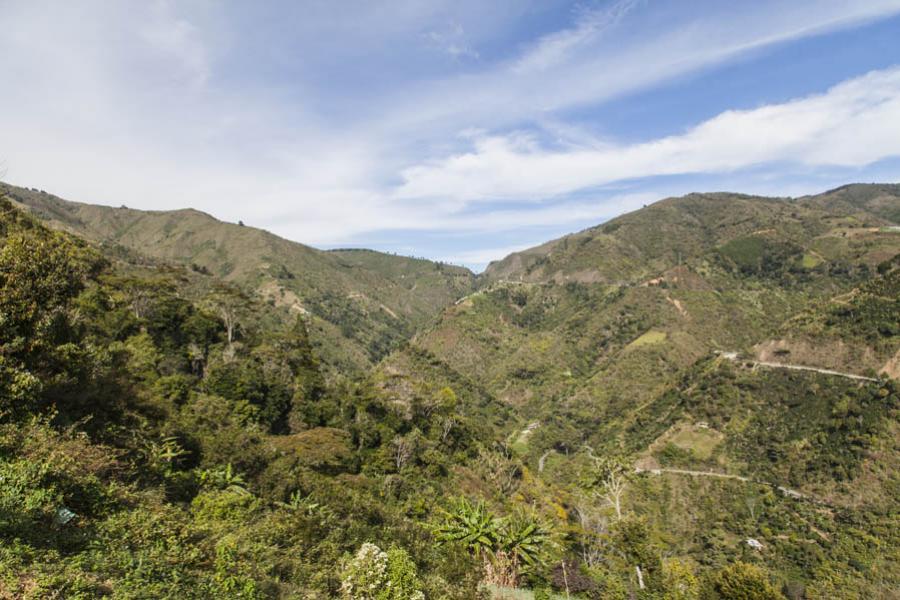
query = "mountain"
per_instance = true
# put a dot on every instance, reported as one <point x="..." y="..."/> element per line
<point x="695" y="400"/>
<point x="664" y="234"/>
<point x="860" y="200"/>
<point x="363" y="303"/>
<point x="613" y="311"/>
<point x="736" y="350"/>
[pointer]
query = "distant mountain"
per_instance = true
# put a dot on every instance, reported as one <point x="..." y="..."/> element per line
<point x="862" y="200"/>
<point x="741" y="353"/>
<point x="674" y="230"/>
<point x="364" y="303"/>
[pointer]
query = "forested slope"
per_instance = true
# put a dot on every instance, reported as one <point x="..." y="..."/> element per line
<point x="362" y="303"/>
<point x="608" y="416"/>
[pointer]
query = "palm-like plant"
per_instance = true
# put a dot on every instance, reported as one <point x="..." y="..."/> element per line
<point x="306" y="505"/>
<point x="226" y="479"/>
<point x="507" y="546"/>
<point x="162" y="457"/>
<point x="523" y="537"/>
<point x="471" y="525"/>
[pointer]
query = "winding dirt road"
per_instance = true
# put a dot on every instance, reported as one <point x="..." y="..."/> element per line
<point x="733" y="356"/>
<point x="786" y="491"/>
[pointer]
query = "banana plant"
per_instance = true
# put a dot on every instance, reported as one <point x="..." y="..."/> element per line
<point x="472" y="525"/>
<point x="523" y="537"/>
<point x="482" y="533"/>
<point x="226" y="479"/>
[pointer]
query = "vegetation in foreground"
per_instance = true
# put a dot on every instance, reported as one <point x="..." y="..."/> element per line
<point x="165" y="433"/>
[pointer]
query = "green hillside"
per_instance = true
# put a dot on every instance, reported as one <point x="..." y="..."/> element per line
<point x="145" y="454"/>
<point x="604" y="338"/>
<point x="698" y="400"/>
<point x="605" y="317"/>
<point x="363" y="303"/>
<point x="663" y="235"/>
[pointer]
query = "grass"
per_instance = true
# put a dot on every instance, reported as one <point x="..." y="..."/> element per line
<point x="701" y="442"/>
<point x="746" y="251"/>
<point x="651" y="338"/>
<point x="810" y="261"/>
<point x="500" y="593"/>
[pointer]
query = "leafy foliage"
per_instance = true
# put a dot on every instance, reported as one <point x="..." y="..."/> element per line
<point x="208" y="430"/>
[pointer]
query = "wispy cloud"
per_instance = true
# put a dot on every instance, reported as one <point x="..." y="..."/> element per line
<point x="603" y="59"/>
<point x="452" y="41"/>
<point x="590" y="24"/>
<point x="854" y="123"/>
<point x="327" y="124"/>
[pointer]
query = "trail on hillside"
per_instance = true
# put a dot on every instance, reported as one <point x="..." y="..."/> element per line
<point x="814" y="369"/>
<point x="784" y="490"/>
<point x="733" y="356"/>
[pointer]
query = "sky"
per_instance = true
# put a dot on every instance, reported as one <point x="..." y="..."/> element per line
<point x="457" y="130"/>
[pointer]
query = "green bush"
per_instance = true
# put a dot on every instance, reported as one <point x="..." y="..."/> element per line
<point x="376" y="575"/>
<point x="743" y="581"/>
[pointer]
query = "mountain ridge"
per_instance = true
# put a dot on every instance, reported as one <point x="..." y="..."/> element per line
<point x="679" y="211"/>
<point x="368" y="306"/>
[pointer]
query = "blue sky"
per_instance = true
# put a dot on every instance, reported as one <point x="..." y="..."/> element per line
<point x="457" y="130"/>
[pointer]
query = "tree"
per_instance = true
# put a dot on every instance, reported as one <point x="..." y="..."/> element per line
<point x="19" y="389"/>
<point x="373" y="574"/>
<point x="142" y="293"/>
<point x="231" y="304"/>
<point x="443" y="402"/>
<point x="632" y="539"/>
<point x="678" y="581"/>
<point x="403" y="448"/>
<point x="499" y="468"/>
<point x="608" y="479"/>
<point x="43" y="356"/>
<point x="40" y="273"/>
<point x="402" y="577"/>
<point x="594" y="532"/>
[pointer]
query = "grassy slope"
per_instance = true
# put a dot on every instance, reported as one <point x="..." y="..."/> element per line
<point x="364" y="303"/>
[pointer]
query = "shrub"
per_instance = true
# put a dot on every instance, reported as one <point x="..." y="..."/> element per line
<point x="743" y="581"/>
<point x="377" y="575"/>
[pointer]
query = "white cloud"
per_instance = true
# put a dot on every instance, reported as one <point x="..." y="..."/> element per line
<point x="555" y="48"/>
<point x="227" y="109"/>
<point x="177" y="39"/>
<point x="377" y="214"/>
<point x="853" y="124"/>
<point x="452" y="41"/>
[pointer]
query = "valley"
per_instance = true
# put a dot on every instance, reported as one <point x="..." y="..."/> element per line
<point x="226" y="413"/>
